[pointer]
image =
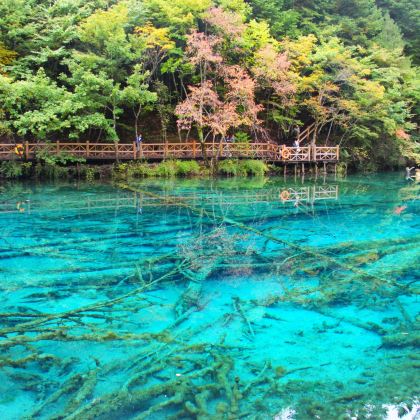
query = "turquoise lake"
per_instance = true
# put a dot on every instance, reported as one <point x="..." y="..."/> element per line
<point x="235" y="298"/>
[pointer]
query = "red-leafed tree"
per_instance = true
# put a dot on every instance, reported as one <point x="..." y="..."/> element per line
<point x="227" y="24"/>
<point x="223" y="99"/>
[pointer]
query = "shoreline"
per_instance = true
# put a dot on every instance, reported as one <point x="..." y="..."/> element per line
<point x="21" y="170"/>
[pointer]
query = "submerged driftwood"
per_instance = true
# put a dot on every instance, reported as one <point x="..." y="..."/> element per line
<point x="174" y="372"/>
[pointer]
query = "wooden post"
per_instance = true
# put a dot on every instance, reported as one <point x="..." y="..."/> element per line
<point x="26" y="150"/>
<point x="165" y="150"/>
<point x="57" y="147"/>
<point x="141" y="150"/>
<point x="134" y="150"/>
<point x="87" y="149"/>
<point x="303" y="168"/>
<point x="194" y="146"/>
<point x="338" y="153"/>
<point x="116" y="151"/>
<point x="325" y="168"/>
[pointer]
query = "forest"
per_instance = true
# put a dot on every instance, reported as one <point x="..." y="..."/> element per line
<point x="107" y="70"/>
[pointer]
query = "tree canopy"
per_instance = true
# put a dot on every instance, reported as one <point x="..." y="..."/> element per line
<point x="108" y="69"/>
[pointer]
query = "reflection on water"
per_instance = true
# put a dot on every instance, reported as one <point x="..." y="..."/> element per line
<point x="222" y="299"/>
<point x="295" y="195"/>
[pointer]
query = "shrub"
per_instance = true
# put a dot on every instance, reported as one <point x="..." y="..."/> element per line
<point x="12" y="169"/>
<point x="120" y="170"/>
<point x="242" y="137"/>
<point x="228" y="167"/>
<point x="243" y="167"/>
<point x="187" y="167"/>
<point x="166" y="169"/>
<point x="46" y="155"/>
<point x="91" y="173"/>
<point x="140" y="170"/>
<point x="254" y="167"/>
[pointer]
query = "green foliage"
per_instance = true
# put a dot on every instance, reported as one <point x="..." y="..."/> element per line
<point x="242" y="137"/>
<point x="406" y="14"/>
<point x="35" y="106"/>
<point x="12" y="169"/>
<point x="230" y="167"/>
<point x="254" y="167"/>
<point x="99" y="69"/>
<point x="90" y="173"/>
<point x="53" y="165"/>
<point x="165" y="169"/>
<point x="233" y="167"/>
<point x="187" y="167"/>
<point x="46" y="155"/>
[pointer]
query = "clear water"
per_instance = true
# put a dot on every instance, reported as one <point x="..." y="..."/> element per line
<point x="221" y="299"/>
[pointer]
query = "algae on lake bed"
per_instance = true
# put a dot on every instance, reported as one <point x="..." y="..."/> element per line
<point x="209" y="299"/>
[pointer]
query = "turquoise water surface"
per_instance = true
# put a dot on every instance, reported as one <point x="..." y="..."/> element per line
<point x="210" y="299"/>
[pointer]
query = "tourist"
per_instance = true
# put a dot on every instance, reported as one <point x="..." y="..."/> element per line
<point x="139" y="140"/>
<point x="227" y="152"/>
<point x="296" y="144"/>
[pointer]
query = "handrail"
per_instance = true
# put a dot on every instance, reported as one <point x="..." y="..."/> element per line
<point x="304" y="135"/>
<point x="191" y="150"/>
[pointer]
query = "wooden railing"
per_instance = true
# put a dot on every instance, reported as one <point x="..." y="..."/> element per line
<point x="306" y="133"/>
<point x="310" y="194"/>
<point x="190" y="150"/>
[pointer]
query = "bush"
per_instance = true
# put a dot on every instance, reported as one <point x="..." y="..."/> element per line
<point x="229" y="167"/>
<point x="171" y="168"/>
<point x="140" y="170"/>
<point x="187" y="167"/>
<point x="243" y="167"/>
<point x="166" y="169"/>
<point x="254" y="167"/>
<point x="12" y="169"/>
<point x="54" y="165"/>
<point x="91" y="173"/>
<point x="120" y="170"/>
<point x="48" y="156"/>
<point x="242" y="137"/>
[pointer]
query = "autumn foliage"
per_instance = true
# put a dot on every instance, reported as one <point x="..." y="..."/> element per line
<point x="206" y="69"/>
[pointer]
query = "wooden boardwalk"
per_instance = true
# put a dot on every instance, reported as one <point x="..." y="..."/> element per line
<point x="270" y="152"/>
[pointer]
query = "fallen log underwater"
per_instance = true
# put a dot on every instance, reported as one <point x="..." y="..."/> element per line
<point x="208" y="383"/>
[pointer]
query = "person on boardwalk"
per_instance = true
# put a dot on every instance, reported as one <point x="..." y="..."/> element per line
<point x="228" y="140"/>
<point x="296" y="143"/>
<point x="139" y="140"/>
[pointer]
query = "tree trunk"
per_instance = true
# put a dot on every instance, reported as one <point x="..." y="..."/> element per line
<point x="203" y="145"/>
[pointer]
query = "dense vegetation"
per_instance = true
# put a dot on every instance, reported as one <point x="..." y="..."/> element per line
<point x="107" y="70"/>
